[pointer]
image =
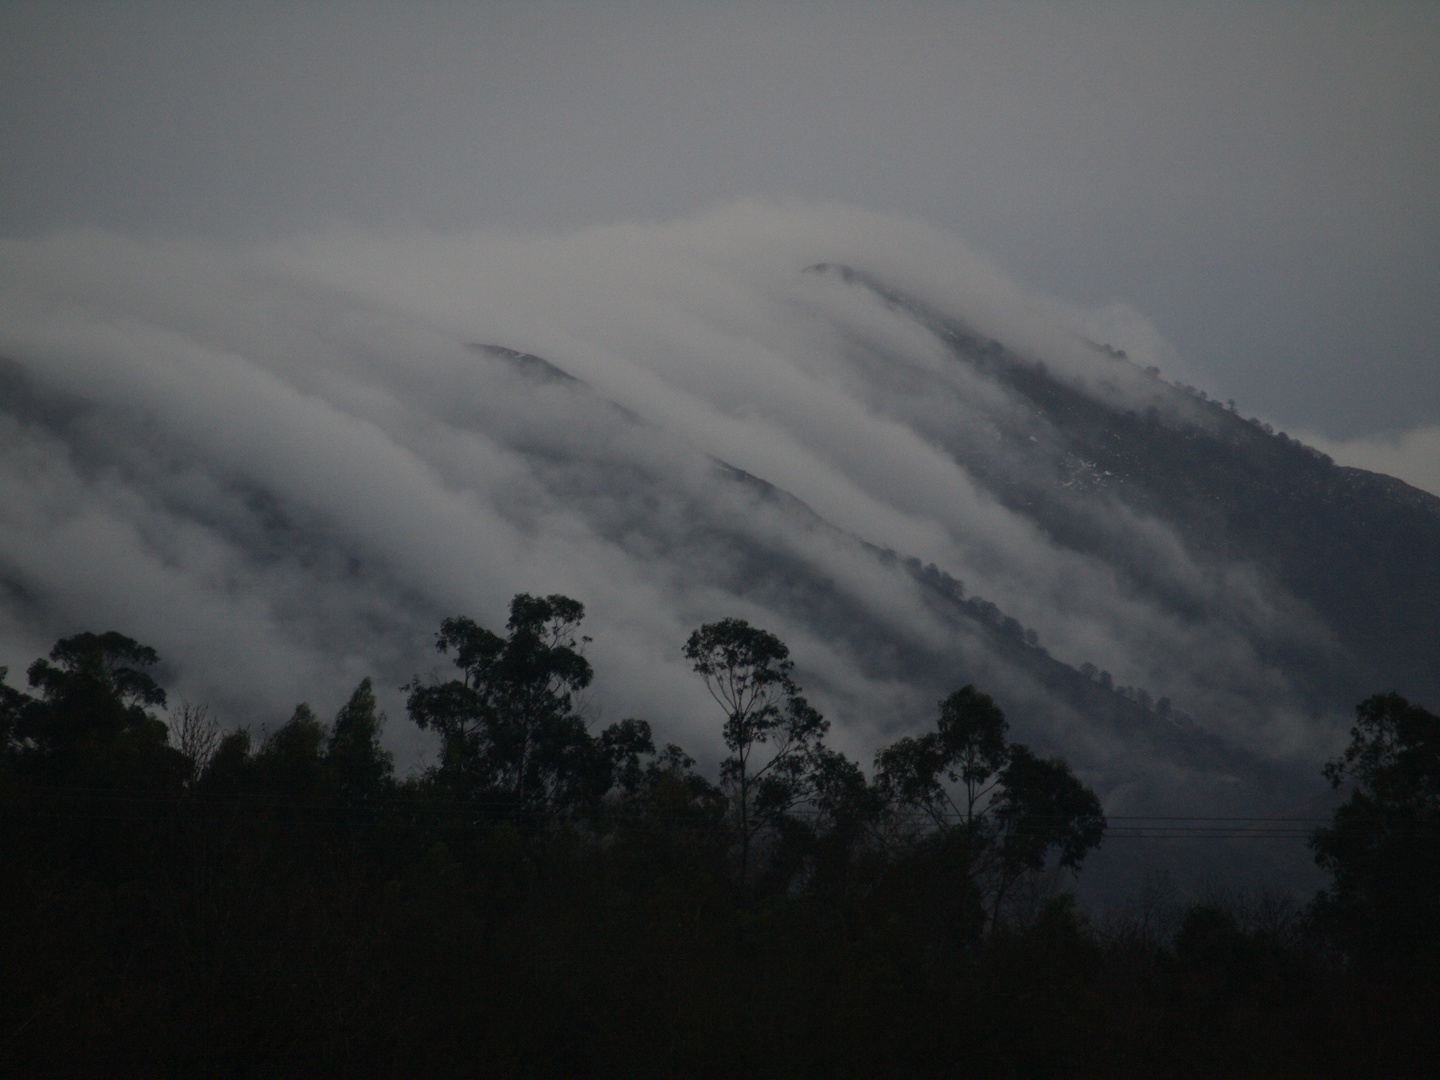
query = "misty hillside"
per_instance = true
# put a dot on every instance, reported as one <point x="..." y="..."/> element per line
<point x="282" y="469"/>
<point x="1358" y="548"/>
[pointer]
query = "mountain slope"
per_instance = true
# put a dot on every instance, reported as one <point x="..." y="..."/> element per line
<point x="1361" y="550"/>
<point x="283" y="469"/>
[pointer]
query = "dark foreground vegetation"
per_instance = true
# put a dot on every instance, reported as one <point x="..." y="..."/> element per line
<point x="551" y="899"/>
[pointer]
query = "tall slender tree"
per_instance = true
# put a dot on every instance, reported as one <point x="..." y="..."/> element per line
<point x="748" y="672"/>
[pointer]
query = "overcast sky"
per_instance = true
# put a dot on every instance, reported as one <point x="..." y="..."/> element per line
<point x="1261" y="181"/>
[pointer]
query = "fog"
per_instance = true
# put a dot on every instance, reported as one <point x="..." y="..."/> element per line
<point x="282" y="463"/>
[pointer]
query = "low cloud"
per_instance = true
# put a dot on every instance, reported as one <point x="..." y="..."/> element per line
<point x="282" y="465"/>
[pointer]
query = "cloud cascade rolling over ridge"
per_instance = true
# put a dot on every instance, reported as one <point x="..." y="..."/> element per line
<point x="282" y="465"/>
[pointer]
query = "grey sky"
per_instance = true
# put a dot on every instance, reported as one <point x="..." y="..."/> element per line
<point x="1261" y="181"/>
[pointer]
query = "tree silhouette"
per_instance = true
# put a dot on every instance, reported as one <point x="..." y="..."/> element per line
<point x="748" y="673"/>
<point x="230" y="769"/>
<point x="356" y="767"/>
<point x="290" y="760"/>
<point x="90" y="724"/>
<point x="12" y="703"/>
<point x="990" y="804"/>
<point x="1383" y="846"/>
<point x="670" y="825"/>
<point x="196" y="734"/>
<point x="509" y="728"/>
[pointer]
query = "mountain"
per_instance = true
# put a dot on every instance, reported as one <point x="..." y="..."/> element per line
<point x="283" y="468"/>
<point x="1358" y="549"/>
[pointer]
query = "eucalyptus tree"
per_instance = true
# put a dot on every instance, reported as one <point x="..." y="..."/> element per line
<point x="773" y="734"/>
<point x="995" y="807"/>
<point x="510" y="727"/>
<point x="1382" y="848"/>
<point x="92" y="721"/>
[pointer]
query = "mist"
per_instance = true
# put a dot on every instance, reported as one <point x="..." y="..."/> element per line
<point x="282" y="463"/>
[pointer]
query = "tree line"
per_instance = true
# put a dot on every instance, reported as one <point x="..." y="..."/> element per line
<point x="515" y="749"/>
<point x="217" y="902"/>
